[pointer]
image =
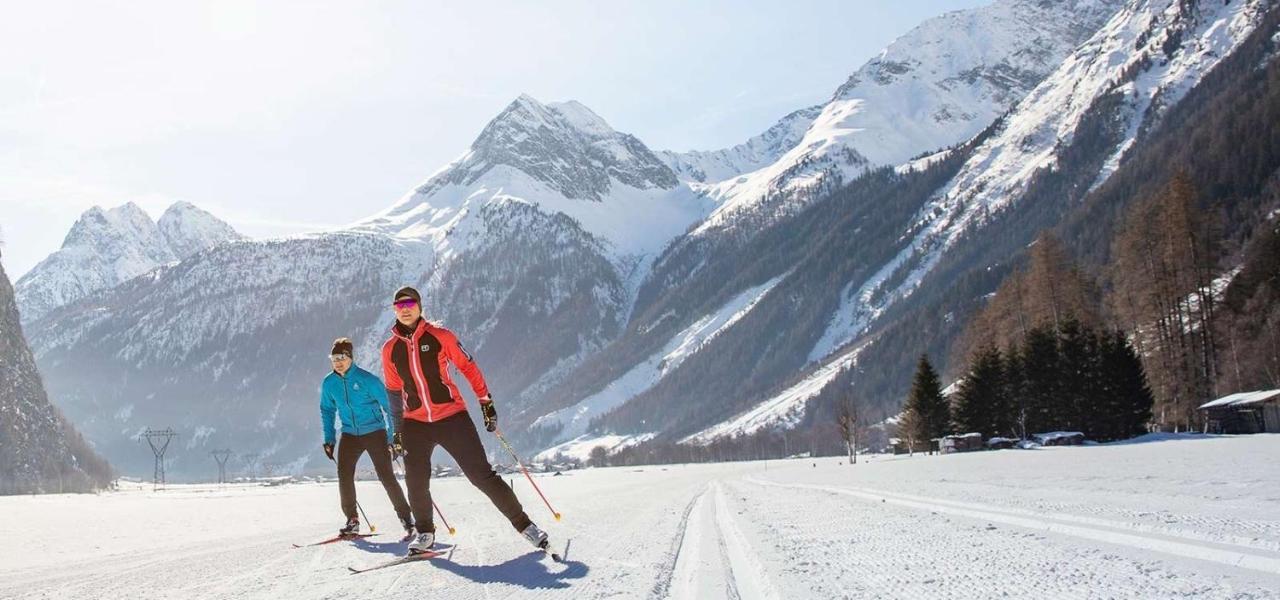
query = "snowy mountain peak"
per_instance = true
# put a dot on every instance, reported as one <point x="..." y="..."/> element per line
<point x="526" y="112"/>
<point x="562" y="159"/>
<point x="188" y="229"/>
<point x="578" y="116"/>
<point x="563" y="145"/>
<point x="181" y="207"/>
<point x="938" y="85"/>
<point x="1006" y="47"/>
<point x="1150" y="54"/>
<point x="1145" y="59"/>
<point x="97" y="225"/>
<point x="755" y="153"/>
<point x="105" y="247"/>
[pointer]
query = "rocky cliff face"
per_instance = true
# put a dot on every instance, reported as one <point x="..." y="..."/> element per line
<point x="39" y="451"/>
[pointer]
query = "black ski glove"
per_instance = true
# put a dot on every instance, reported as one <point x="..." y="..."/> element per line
<point x="328" y="451"/>
<point x="396" y="446"/>
<point x="490" y="415"/>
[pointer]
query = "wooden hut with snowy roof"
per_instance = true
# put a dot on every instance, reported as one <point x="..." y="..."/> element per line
<point x="1244" y="412"/>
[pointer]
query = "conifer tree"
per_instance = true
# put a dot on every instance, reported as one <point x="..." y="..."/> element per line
<point x="1079" y="398"/>
<point x="1041" y="380"/>
<point x="927" y="408"/>
<point x="979" y="403"/>
<point x="1130" y="397"/>
<point x="1015" y="420"/>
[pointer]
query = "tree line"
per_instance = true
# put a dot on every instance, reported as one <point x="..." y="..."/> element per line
<point x="1070" y="378"/>
<point x="1203" y="319"/>
<point x="1156" y="333"/>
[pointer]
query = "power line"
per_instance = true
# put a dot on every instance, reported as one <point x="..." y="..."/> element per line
<point x="221" y="456"/>
<point x="159" y="440"/>
<point x="251" y="461"/>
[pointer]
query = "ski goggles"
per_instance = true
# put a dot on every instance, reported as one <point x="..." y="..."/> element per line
<point x="337" y="357"/>
<point x="405" y="303"/>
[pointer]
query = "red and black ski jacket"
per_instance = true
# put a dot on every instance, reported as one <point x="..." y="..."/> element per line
<point x="416" y="366"/>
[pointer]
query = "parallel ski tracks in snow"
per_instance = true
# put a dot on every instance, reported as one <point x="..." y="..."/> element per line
<point x="715" y="559"/>
<point x="1155" y="520"/>
<point x="1245" y="556"/>
<point x="663" y="588"/>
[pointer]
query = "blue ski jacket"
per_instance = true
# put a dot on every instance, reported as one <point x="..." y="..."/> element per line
<point x="360" y="399"/>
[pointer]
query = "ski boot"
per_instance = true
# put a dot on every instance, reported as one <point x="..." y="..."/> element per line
<point x="536" y="536"/>
<point x="422" y="543"/>
<point x="351" y="528"/>
<point x="406" y="522"/>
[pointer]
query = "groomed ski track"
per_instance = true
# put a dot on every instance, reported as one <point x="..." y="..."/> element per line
<point x="1169" y="518"/>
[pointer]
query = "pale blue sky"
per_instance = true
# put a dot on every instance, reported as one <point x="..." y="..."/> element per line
<point x="284" y="117"/>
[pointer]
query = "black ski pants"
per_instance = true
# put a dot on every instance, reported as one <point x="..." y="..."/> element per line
<point x="350" y="447"/>
<point x="458" y="436"/>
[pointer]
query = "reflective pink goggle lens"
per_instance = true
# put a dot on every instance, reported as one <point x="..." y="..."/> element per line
<point x="405" y="303"/>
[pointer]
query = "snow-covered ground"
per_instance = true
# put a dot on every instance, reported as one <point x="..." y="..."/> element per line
<point x="1179" y="517"/>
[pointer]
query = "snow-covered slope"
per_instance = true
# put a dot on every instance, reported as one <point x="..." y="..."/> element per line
<point x="938" y="85"/>
<point x="107" y="247"/>
<point x="572" y="421"/>
<point x="784" y="410"/>
<point x="1150" y="54"/>
<point x="760" y="151"/>
<point x="1147" y="57"/>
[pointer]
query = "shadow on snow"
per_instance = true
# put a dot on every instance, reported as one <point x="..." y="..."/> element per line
<point x="530" y="571"/>
<point x="397" y="548"/>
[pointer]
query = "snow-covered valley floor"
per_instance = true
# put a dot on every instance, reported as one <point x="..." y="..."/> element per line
<point x="1176" y="518"/>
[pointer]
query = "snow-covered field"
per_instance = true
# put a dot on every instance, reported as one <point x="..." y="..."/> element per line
<point x="1181" y="517"/>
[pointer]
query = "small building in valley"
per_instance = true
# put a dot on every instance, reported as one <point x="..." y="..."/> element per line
<point x="1244" y="412"/>
<point x="903" y="446"/>
<point x="964" y="442"/>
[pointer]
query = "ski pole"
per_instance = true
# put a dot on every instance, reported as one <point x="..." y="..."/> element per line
<point x="372" y="529"/>
<point x="505" y="444"/>
<point x="435" y="506"/>
<point x="442" y="519"/>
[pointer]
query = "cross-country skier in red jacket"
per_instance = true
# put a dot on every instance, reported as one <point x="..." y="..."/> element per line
<point x="415" y="366"/>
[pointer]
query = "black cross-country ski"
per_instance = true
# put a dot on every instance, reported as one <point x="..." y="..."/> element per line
<point x="338" y="538"/>
<point x="405" y="560"/>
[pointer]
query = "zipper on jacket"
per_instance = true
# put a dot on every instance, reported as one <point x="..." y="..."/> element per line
<point x="420" y="378"/>
<point x="346" y="395"/>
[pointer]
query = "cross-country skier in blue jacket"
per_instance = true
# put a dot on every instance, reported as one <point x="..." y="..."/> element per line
<point x="368" y="425"/>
